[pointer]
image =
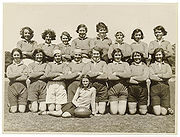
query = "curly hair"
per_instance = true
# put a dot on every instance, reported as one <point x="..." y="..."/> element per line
<point x="101" y="25"/>
<point x="17" y="50"/>
<point x="119" y="32"/>
<point x="30" y="31"/>
<point x="81" y="26"/>
<point x="50" y="32"/>
<point x="137" y="31"/>
<point x="66" y="34"/>
<point x="161" y="28"/>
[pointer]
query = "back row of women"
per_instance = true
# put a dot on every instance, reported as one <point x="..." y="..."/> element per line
<point x="89" y="73"/>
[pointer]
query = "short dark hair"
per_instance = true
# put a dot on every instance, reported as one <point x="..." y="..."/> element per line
<point x="38" y="51"/>
<point x="120" y="33"/>
<point x="66" y="34"/>
<point x="50" y="32"/>
<point x="161" y="28"/>
<point x="101" y="25"/>
<point x="18" y="50"/>
<point x="142" y="56"/>
<point x="30" y="31"/>
<point x="81" y="26"/>
<point x="88" y="77"/>
<point x="115" y="51"/>
<point x="137" y="31"/>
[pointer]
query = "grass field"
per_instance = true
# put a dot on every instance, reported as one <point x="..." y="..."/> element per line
<point x="32" y="122"/>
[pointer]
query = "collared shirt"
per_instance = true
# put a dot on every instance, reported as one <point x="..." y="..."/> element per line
<point x="76" y="67"/>
<point x="93" y="66"/>
<point x="103" y="44"/>
<point x="118" y="67"/>
<point x="124" y="47"/>
<point x="26" y="46"/>
<point x="166" y="45"/>
<point x="54" y="67"/>
<point x="47" y="48"/>
<point x="85" y="96"/>
<point x="140" y="70"/>
<point x="15" y="69"/>
<point x="83" y="44"/>
<point x="37" y="67"/>
<point x="140" y="47"/>
<point x="161" y="68"/>
<point x="66" y="50"/>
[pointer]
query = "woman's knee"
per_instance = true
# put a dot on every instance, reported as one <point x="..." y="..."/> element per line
<point x="114" y="107"/>
<point x="157" y="110"/>
<point x="13" y="109"/>
<point x="34" y="106"/>
<point x="51" y="107"/>
<point x="122" y="107"/>
<point x="163" y="111"/>
<point x="22" y="108"/>
<point x="143" y="109"/>
<point x="132" y="107"/>
<point x="42" y="106"/>
<point x="102" y="107"/>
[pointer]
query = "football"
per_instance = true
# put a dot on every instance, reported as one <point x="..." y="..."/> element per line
<point x="82" y="112"/>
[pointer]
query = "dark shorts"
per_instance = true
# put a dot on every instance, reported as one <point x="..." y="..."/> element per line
<point x="69" y="107"/>
<point x="160" y="95"/>
<point x="37" y="91"/>
<point x="101" y="91"/>
<point x="72" y="87"/>
<point x="117" y="91"/>
<point x="17" y="94"/>
<point x="138" y="93"/>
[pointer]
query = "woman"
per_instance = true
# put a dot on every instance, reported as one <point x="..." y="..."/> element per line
<point x="138" y="93"/>
<point x="17" y="89"/>
<point x="37" y="87"/>
<point x="97" y="70"/>
<point x="160" y="73"/>
<point x="118" y="73"/>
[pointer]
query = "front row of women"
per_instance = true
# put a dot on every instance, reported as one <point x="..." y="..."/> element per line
<point x="62" y="87"/>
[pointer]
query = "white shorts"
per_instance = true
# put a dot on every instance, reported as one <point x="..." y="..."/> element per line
<point x="56" y="93"/>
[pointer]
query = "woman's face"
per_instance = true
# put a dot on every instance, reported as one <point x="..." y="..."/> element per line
<point x="159" y="56"/>
<point x="117" y="56"/>
<point x="102" y="31"/>
<point x="65" y="39"/>
<point x="48" y="39"/>
<point x="82" y="32"/>
<point x="57" y="57"/>
<point x="137" y="57"/>
<point x="16" y="57"/>
<point x="27" y="35"/>
<point x="85" y="82"/>
<point x="158" y="34"/>
<point x="119" y="37"/>
<point x="137" y="36"/>
<point x="77" y="56"/>
<point x="95" y="55"/>
<point x="39" y="57"/>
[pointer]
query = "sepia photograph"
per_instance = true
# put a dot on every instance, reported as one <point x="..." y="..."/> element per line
<point x="108" y="68"/>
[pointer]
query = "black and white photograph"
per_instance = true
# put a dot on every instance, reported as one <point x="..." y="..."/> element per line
<point x="108" y="68"/>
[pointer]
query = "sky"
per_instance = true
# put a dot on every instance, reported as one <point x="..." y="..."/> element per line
<point x="66" y="17"/>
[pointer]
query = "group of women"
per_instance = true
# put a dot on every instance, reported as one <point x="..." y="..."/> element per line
<point x="93" y="73"/>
